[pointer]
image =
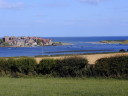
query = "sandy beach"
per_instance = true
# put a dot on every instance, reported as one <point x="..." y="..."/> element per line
<point x="91" y="57"/>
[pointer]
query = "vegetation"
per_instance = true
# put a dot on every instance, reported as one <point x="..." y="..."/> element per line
<point x="122" y="50"/>
<point x="67" y="67"/>
<point x="39" y="42"/>
<point x="116" y="67"/>
<point x="1" y="41"/>
<point x="3" y="67"/>
<point x="62" y="87"/>
<point x="46" y="66"/>
<point x="17" y="67"/>
<point x="5" y="44"/>
<point x="112" y="67"/>
<point x="115" y="41"/>
<point x="26" y="65"/>
<point x="56" y="43"/>
<point x="71" y="67"/>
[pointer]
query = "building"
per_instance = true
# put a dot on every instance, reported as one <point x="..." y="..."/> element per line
<point x="26" y="41"/>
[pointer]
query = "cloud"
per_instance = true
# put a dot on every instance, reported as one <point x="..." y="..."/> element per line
<point x="8" y="5"/>
<point x="91" y="1"/>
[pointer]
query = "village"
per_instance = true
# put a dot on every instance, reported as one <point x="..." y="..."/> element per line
<point x="12" y="41"/>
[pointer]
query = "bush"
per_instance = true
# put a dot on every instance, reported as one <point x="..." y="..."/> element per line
<point x="7" y="66"/>
<point x="90" y="70"/>
<point x="71" y="67"/>
<point x="122" y="50"/>
<point x="25" y="65"/>
<point x="112" y="67"/>
<point x="46" y="66"/>
<point x="11" y="64"/>
<point x="3" y="66"/>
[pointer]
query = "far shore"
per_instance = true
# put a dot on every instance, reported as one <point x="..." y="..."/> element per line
<point x="67" y="44"/>
<point x="37" y="46"/>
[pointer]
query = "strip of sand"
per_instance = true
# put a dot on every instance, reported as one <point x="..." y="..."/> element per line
<point x="91" y="57"/>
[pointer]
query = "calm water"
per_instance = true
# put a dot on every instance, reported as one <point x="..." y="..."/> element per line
<point x="79" y="43"/>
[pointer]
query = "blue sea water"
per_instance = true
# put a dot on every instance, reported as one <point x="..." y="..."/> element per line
<point x="79" y="43"/>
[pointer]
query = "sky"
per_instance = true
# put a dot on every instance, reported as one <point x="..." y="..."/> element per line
<point x="63" y="18"/>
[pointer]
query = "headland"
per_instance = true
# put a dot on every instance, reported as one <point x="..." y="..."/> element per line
<point x="12" y="41"/>
<point x="115" y="41"/>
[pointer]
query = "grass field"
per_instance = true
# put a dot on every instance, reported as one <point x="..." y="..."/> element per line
<point x="62" y="87"/>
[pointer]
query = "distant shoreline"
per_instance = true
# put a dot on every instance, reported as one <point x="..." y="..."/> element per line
<point x="110" y="42"/>
<point x="77" y="51"/>
<point x="115" y="41"/>
<point x="63" y="44"/>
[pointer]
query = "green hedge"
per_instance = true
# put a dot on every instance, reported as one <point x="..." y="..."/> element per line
<point x="3" y="66"/>
<point x="112" y="67"/>
<point x="116" y="67"/>
<point x="46" y="66"/>
<point x="67" y="67"/>
<point x="11" y="65"/>
<point x="26" y="65"/>
<point x="71" y="67"/>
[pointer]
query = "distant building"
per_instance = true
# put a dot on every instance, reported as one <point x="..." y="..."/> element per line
<point x="20" y="43"/>
<point x="26" y="41"/>
<point x="6" y="39"/>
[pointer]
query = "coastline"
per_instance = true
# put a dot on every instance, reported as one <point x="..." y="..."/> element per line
<point x="125" y="42"/>
<point x="63" y="44"/>
<point x="67" y="44"/>
<point x="114" y="41"/>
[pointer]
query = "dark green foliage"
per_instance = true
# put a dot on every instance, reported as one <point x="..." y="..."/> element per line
<point x="90" y="71"/>
<point x="39" y="42"/>
<point x="6" y="66"/>
<point x="5" y="44"/>
<point x="16" y="67"/>
<point x="116" y="67"/>
<point x="1" y="41"/>
<point x="25" y="66"/>
<point x="112" y="67"/>
<point x="46" y="66"/>
<point x="3" y="67"/>
<point x="71" y="67"/>
<point x="122" y="50"/>
<point x="11" y="65"/>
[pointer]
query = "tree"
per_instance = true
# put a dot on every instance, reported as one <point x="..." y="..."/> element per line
<point x="122" y="50"/>
<point x="39" y="42"/>
<point x="5" y="44"/>
<point x="1" y="41"/>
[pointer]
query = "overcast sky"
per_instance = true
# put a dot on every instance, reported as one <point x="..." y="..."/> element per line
<point x="63" y="18"/>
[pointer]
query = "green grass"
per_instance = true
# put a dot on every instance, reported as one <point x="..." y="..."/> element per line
<point x="62" y="87"/>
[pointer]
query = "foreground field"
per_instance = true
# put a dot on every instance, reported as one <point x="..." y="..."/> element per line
<point x="62" y="87"/>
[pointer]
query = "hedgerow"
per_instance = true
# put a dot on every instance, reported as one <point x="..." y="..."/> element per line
<point x="26" y="65"/>
<point x="115" y="67"/>
<point x="46" y="66"/>
<point x="71" y="67"/>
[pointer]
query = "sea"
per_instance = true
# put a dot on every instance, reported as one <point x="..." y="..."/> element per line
<point x="77" y="45"/>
